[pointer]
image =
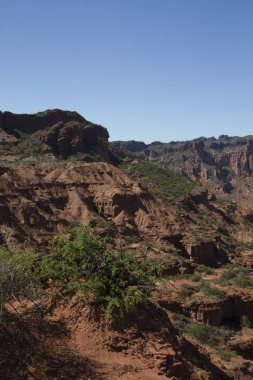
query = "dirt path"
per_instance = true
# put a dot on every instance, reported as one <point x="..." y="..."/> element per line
<point x="87" y="356"/>
<point x="66" y="349"/>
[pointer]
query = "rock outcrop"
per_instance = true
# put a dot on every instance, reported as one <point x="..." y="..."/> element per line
<point x="38" y="199"/>
<point x="207" y="253"/>
<point x="55" y="132"/>
<point x="30" y="123"/>
<point x="66" y="139"/>
<point x="216" y="163"/>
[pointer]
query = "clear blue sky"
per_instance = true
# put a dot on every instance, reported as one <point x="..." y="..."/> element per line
<point x="146" y="69"/>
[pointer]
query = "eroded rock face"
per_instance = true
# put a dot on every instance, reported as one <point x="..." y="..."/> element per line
<point x="218" y="313"/>
<point x="56" y="132"/>
<point x="72" y="138"/>
<point x="243" y="344"/>
<point x="206" y="253"/>
<point x="38" y="199"/>
<point x="216" y="163"/>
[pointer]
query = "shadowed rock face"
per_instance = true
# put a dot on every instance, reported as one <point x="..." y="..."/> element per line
<point x="60" y="133"/>
<point x="30" y="123"/>
<point x="206" y="253"/>
<point x="65" y="139"/>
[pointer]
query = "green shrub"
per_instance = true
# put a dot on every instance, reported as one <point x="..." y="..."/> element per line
<point x="192" y="302"/>
<point x="73" y="256"/>
<point x="243" y="282"/>
<point x="227" y="355"/>
<point x="15" y="274"/>
<point x="79" y="264"/>
<point x="121" y="282"/>
<point x="228" y="274"/>
<point x="186" y="276"/>
<point x="205" y="269"/>
<point x="245" y="321"/>
<point x="194" y="277"/>
<point x="203" y="333"/>
<point x="179" y="321"/>
<point x="187" y="290"/>
<point x="164" y="183"/>
<point x="213" y="292"/>
<point x="29" y="144"/>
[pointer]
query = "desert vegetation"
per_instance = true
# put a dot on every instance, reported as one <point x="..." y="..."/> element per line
<point x="78" y="263"/>
<point x="164" y="183"/>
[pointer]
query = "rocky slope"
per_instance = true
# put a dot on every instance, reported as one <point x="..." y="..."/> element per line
<point x="48" y="182"/>
<point x="221" y="164"/>
<point x="39" y="199"/>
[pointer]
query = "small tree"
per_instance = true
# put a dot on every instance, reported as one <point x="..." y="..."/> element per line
<point x="80" y="264"/>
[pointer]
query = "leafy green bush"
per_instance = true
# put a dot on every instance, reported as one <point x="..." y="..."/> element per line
<point x="73" y="256"/>
<point x="122" y="282"/>
<point x="79" y="264"/>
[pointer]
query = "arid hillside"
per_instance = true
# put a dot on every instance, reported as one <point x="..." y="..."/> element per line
<point x="167" y="256"/>
<point x="224" y="165"/>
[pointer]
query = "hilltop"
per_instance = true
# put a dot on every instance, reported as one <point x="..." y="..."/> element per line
<point x="51" y="134"/>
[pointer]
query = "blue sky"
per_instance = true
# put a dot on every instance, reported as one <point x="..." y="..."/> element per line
<point x="146" y="69"/>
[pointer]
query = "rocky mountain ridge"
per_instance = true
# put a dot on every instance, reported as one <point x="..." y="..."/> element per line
<point x="218" y="163"/>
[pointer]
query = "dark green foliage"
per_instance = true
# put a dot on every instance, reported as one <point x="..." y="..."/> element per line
<point x="187" y="290"/>
<point x="204" y="333"/>
<point x="88" y="155"/>
<point x="205" y="269"/>
<point x="80" y="264"/>
<point x="186" y="276"/>
<point x="242" y="282"/>
<point x="213" y="292"/>
<point x="29" y="145"/>
<point x="164" y="183"/>
<point x="15" y="274"/>
<point x="179" y="321"/>
<point x="228" y="274"/>
<point x="121" y="282"/>
<point x="238" y="276"/>
<point x="74" y="255"/>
